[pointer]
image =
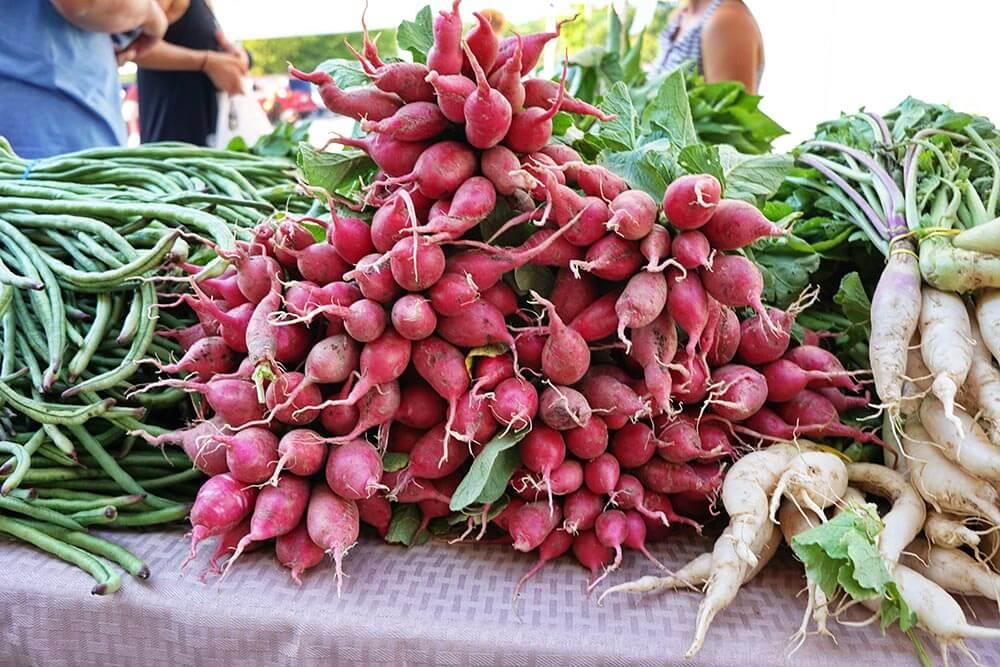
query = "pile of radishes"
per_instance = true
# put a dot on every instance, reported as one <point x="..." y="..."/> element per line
<point x="630" y="381"/>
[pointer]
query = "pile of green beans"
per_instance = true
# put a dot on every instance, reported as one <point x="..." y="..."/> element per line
<point x="82" y="239"/>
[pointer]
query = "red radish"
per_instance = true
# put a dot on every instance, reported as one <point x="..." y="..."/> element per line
<point x="389" y="225"/>
<point x="507" y="78"/>
<point x="566" y="356"/>
<point x="205" y="358"/>
<point x="735" y="281"/>
<point x="196" y="443"/>
<point x="452" y="91"/>
<point x="532" y="47"/>
<point x="479" y="324"/>
<point x="542" y="451"/>
<point x="254" y="275"/>
<point x="715" y="441"/>
<point x="409" y="489"/>
<point x="487" y="111"/>
<point x="613" y="397"/>
<point x="364" y="320"/>
<point x="810" y="413"/>
<point x="529" y="346"/>
<point x="785" y="379"/>
<point x="601" y="474"/>
<point x="588" y="441"/>
<point x="655" y="247"/>
<point x="692" y="250"/>
<point x="760" y="342"/>
<point x="590" y="553"/>
<point x="590" y="222"/>
<point x="403" y="439"/>
<point x="556" y="543"/>
<point x="332" y="523"/>
<point x="429" y="510"/>
<point x="664" y="477"/>
<point x="633" y="445"/>
<point x="491" y="371"/>
<point x="636" y="537"/>
<point x="393" y="156"/>
<point x="542" y="92"/>
<point x="354" y="470"/>
<point x="532" y="523"/>
<point x="558" y="253"/>
<point x="725" y="340"/>
<point x="426" y="461"/>
<point x="564" y="156"/>
<point x="251" y="454"/>
<point x="288" y="404"/>
<point x="290" y="236"/>
<point x="598" y="181"/>
<point x="222" y="502"/>
<point x="502" y="520"/>
<point x="472" y="203"/>
<point x="297" y="552"/>
<point x="736" y="224"/>
<point x="580" y="509"/>
<point x="383" y="360"/>
<point x="416" y="121"/>
<point x="815" y="358"/>
<point x="502" y="167"/>
<point x="571" y="295"/>
<point x="473" y="422"/>
<point x="611" y="258"/>
<point x="376" y="512"/>
<point x="340" y="419"/>
<point x="629" y="495"/>
<point x="483" y="43"/>
<point x="640" y="303"/>
<point x="843" y="403"/>
<point x="377" y="407"/>
<point x="351" y="236"/>
<point x="234" y="401"/>
<point x="442" y="366"/>
<point x="321" y="263"/>
<point x="301" y="451"/>
<point x="278" y="510"/>
<point x="687" y="304"/>
<point x="330" y="361"/>
<point x="416" y="263"/>
<point x="689" y="375"/>
<point x="413" y="317"/>
<point x="452" y="293"/>
<point x="767" y="423"/>
<point x="503" y="299"/>
<point x="563" y="408"/>
<point x="657" y="502"/>
<point x="598" y="319"/>
<point x="654" y="348"/>
<point x="634" y="214"/>
<point x="445" y="55"/>
<point x="420" y="406"/>
<point x="441" y="169"/>
<point x="691" y="200"/>
<point x="611" y="528"/>
<point x="566" y="478"/>
<point x="186" y="337"/>
<point x="514" y="403"/>
<point x="679" y="439"/>
<point x="531" y="128"/>
<point x="227" y="545"/>
<point x="407" y="80"/>
<point x="743" y="391"/>
<point x="359" y="103"/>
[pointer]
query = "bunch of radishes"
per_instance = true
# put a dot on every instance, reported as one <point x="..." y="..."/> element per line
<point x="316" y="358"/>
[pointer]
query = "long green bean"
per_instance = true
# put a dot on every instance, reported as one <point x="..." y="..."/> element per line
<point x="95" y="545"/>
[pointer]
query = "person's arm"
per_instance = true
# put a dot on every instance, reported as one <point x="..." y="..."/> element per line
<point x="114" y="16"/>
<point x="730" y="47"/>
<point x="174" y="9"/>
<point x="224" y="69"/>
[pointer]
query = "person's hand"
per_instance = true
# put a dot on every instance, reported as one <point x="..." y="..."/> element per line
<point x="233" y="49"/>
<point x="153" y="29"/>
<point x="225" y="70"/>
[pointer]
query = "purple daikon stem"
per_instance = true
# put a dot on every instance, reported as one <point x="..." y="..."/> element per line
<point x="877" y="222"/>
<point x="883" y="128"/>
<point x="895" y="195"/>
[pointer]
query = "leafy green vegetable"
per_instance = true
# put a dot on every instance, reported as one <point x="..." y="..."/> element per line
<point x="489" y="472"/>
<point x="403" y="526"/>
<point x="843" y="553"/>
<point x="786" y="272"/>
<point x="345" y="73"/>
<point x="282" y="141"/>
<point x="534" y="278"/>
<point x="393" y="461"/>
<point x="417" y="36"/>
<point x="333" y="172"/>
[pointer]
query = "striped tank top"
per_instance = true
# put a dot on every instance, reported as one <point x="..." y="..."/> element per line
<point x="675" y="51"/>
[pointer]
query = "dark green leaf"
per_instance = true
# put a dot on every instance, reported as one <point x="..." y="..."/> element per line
<point x="647" y="168"/>
<point x="622" y="132"/>
<point x="393" y="461"/>
<point x="238" y="144"/>
<point x="482" y="469"/>
<point x="404" y="524"/>
<point x="670" y="111"/>
<point x="417" y="36"/>
<point x="853" y="300"/>
<point x="560" y="123"/>
<point x="534" y="278"/>
<point x="785" y="273"/>
<point x="751" y="176"/>
<point x="503" y="468"/>
<point x="614" y="41"/>
<point x="333" y="171"/>
<point x="701" y="159"/>
<point x="345" y="73"/>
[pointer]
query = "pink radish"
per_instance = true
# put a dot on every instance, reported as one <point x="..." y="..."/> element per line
<point x="725" y="339"/>
<point x="743" y="391"/>
<point x="296" y="551"/>
<point x="692" y="250"/>
<point x="473" y="422"/>
<point x="196" y="443"/>
<point x="491" y="371"/>
<point x="251" y="454"/>
<point x="483" y="44"/>
<point x="531" y="524"/>
<point x="529" y="346"/>
<point x="501" y="166"/>
<point x="599" y="319"/>
<point x="332" y="523"/>
<point x="301" y="451"/>
<point x="687" y="304"/>
<point x="761" y="343"/>
<point x="588" y="441"/>
<point x="843" y="403"/>
<point x="566" y="356"/>
<point x="736" y="224"/>
<point x="416" y="263"/>
<point x="383" y="360"/>
<point x="563" y="408"/>
<point x="630" y="495"/>
<point x="636" y="537"/>
<point x="445" y="55"/>
<point x="330" y="361"/>
<point x="396" y="158"/>
<point x="640" y="303"/>
<point x="555" y="544"/>
<point x="278" y="510"/>
<point x="234" y="401"/>
<point x="654" y="348"/>
<point x="376" y="512"/>
<point x="503" y="299"/>
<point x="655" y="247"/>
<point x="320" y="263"/>
<point x="615" y="398"/>
<point x="487" y="111"/>
<point x="611" y="258"/>
<point x="810" y="413"/>
<point x="226" y="546"/>
<point x="611" y="528"/>
<point x="473" y="201"/>
<point x="563" y="155"/>
<point x="442" y="366"/>
<point x="542" y="92"/>
<point x="479" y="324"/>
<point x="514" y="403"/>
<point x="403" y="439"/>
<point x="691" y="200"/>
<point x="571" y="295"/>
<point x="679" y="439"/>
<point x="407" y="80"/>
<point x="441" y="169"/>
<point x="340" y="419"/>
<point x="377" y="407"/>
<point x="354" y="470"/>
<point x="205" y="358"/>
<point x="426" y="461"/>
<point x="452" y="293"/>
<point x="531" y="128"/>
<point x="507" y="78"/>
<point x="420" y="406"/>
<point x="598" y="181"/>
<point x="634" y="214"/>
<point x="542" y="451"/>
<point x="590" y="553"/>
<point x="389" y="225"/>
<point x="785" y="379"/>
<point x="689" y="375"/>
<point x="633" y="445"/>
<point x="601" y="474"/>
<point x="814" y="358"/>
<point x="580" y="509"/>
<point x="532" y="47"/>
<point x="222" y="502"/>
<point x="289" y="404"/>
<point x="359" y="103"/>
<point x="663" y="477"/>
<point x="452" y="91"/>
<point x="416" y="121"/>
<point x="413" y="317"/>
<point x="735" y="281"/>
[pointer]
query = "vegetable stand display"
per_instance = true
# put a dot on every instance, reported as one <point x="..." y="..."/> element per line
<point x="574" y="316"/>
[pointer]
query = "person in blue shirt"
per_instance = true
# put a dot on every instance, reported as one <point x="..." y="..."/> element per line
<point x="59" y="89"/>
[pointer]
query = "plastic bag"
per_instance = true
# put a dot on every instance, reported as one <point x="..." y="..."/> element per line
<point x="239" y="116"/>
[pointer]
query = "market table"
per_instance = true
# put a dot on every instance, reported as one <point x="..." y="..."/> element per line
<point x="430" y="604"/>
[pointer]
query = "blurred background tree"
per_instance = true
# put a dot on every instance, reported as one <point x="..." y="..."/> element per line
<point x="589" y="29"/>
